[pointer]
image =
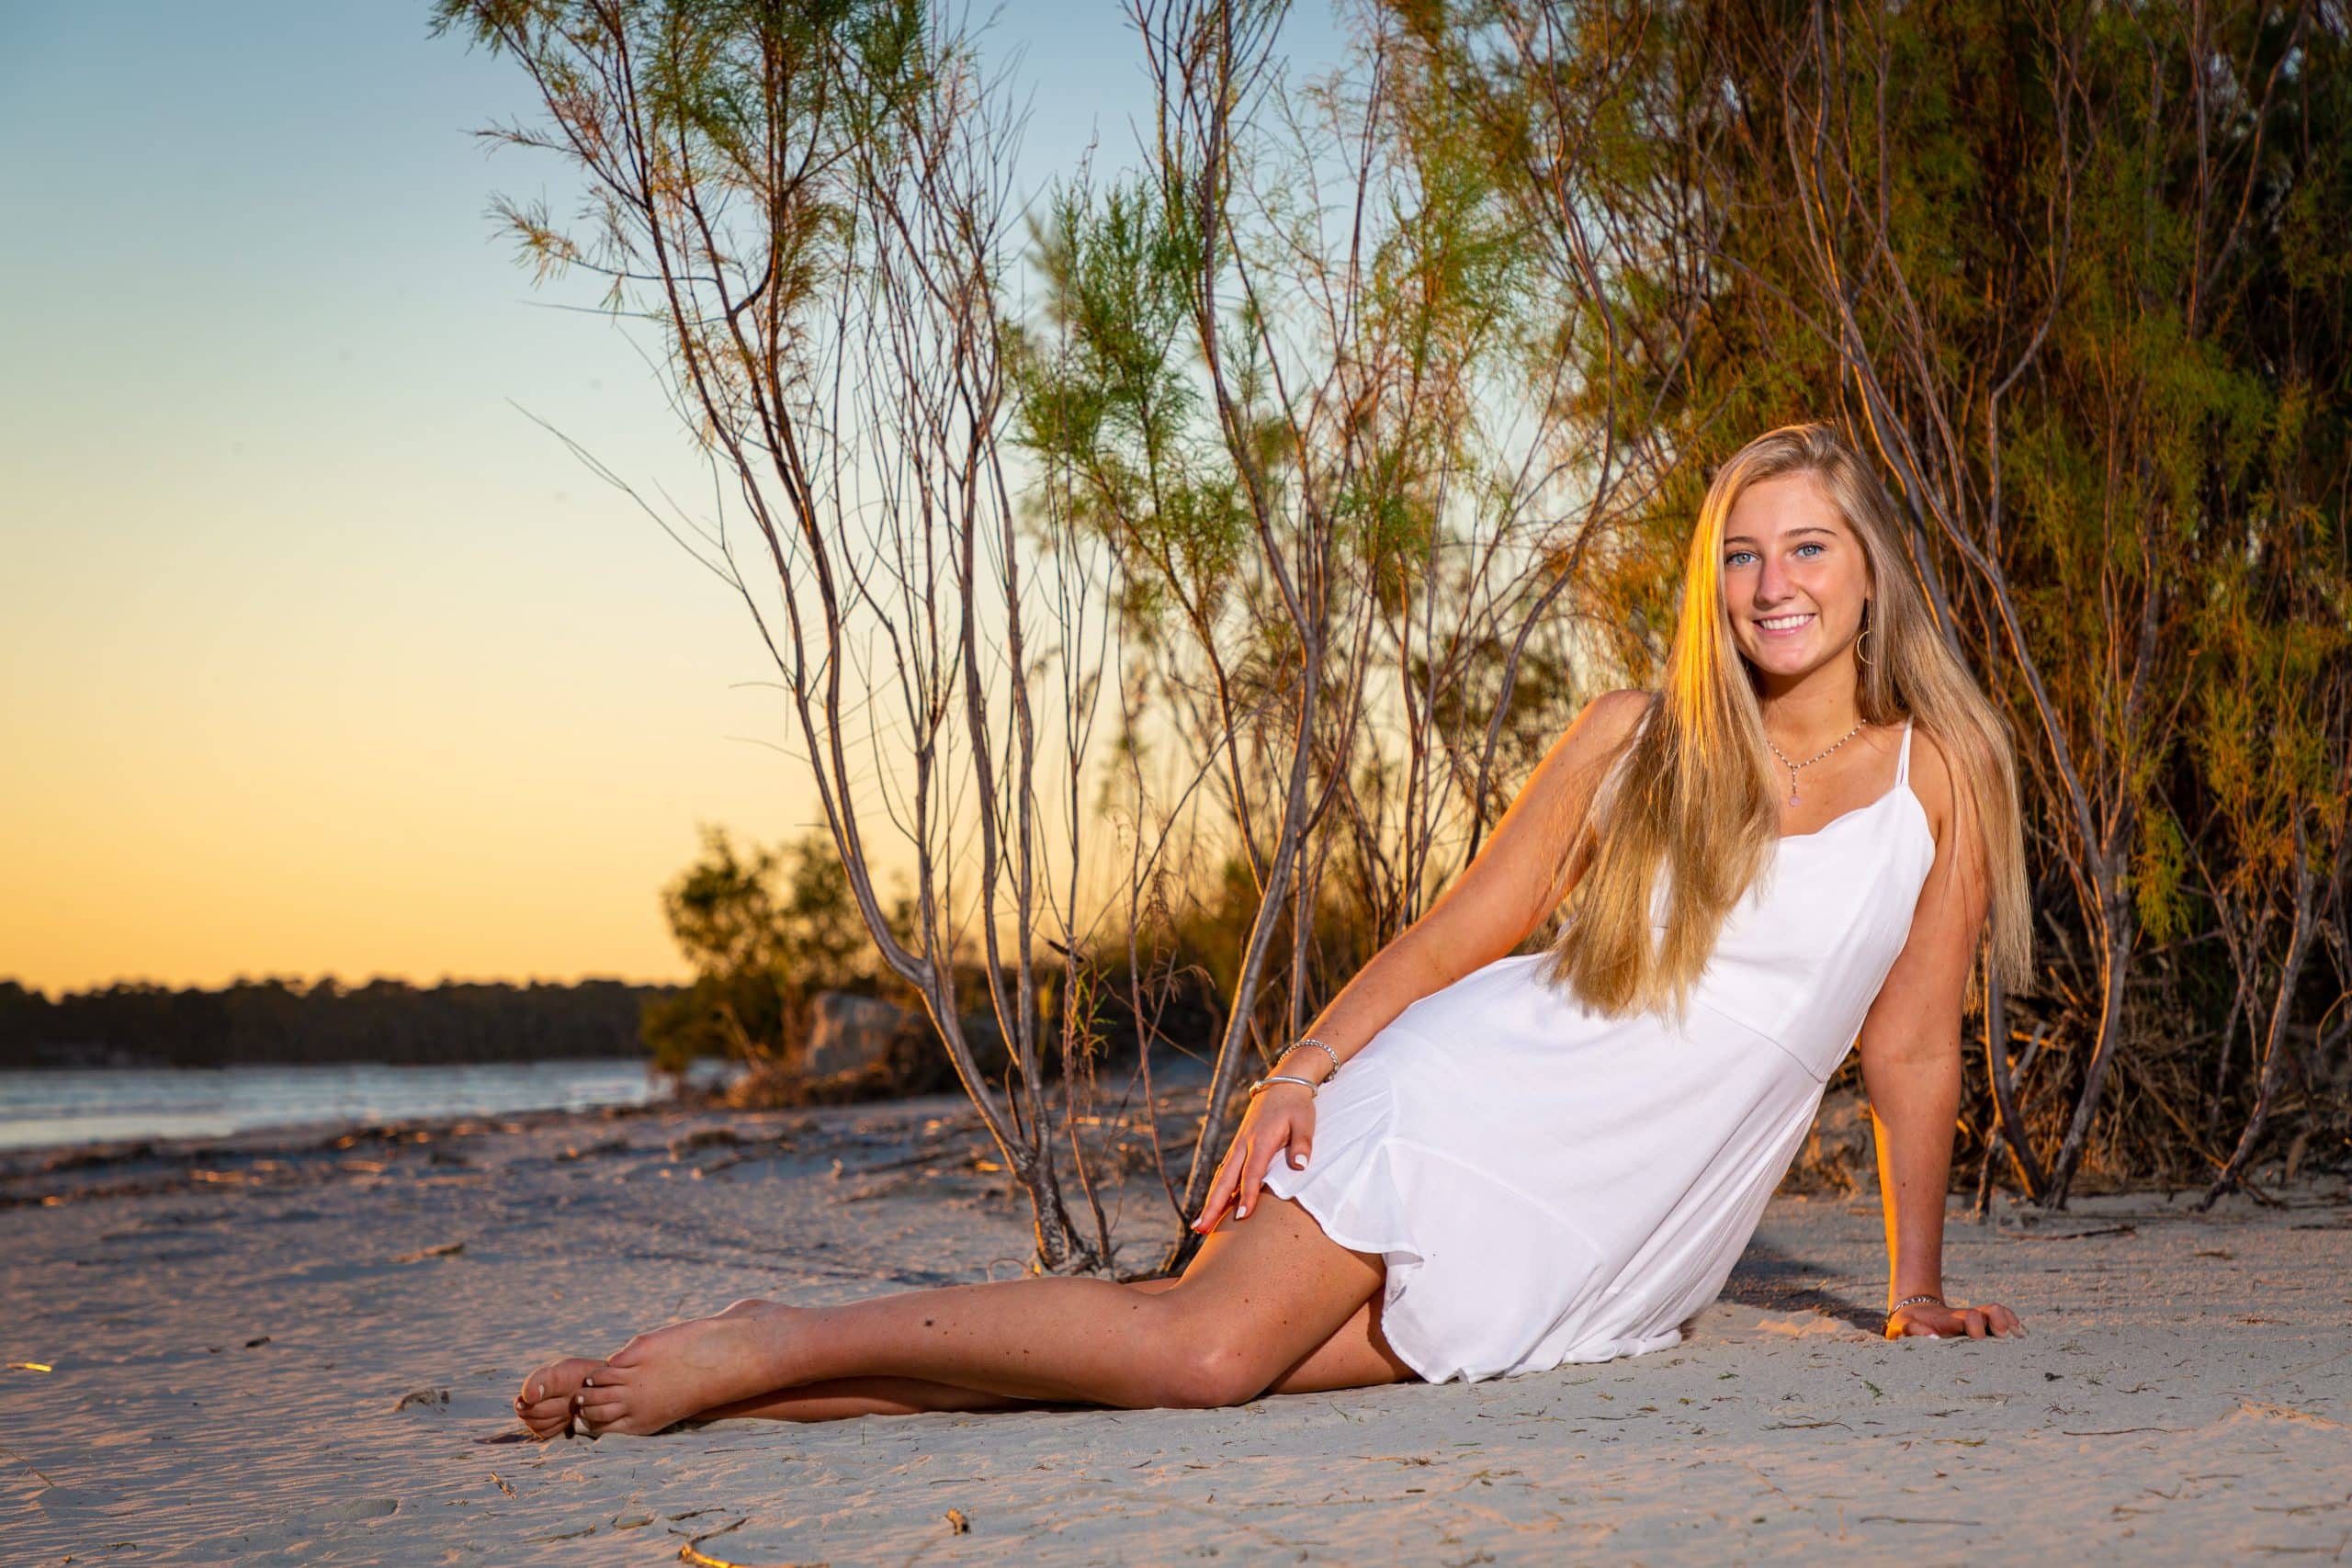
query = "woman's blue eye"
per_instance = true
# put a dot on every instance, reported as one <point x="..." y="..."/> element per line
<point x="1737" y="556"/>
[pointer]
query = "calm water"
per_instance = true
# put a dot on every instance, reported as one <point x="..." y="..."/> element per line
<point x="82" y="1106"/>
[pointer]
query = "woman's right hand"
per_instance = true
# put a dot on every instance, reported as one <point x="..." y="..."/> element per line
<point x="1280" y="1121"/>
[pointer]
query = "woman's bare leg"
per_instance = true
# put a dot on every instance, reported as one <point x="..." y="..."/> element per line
<point x="1357" y="1356"/>
<point x="1264" y="1295"/>
<point x="843" y="1397"/>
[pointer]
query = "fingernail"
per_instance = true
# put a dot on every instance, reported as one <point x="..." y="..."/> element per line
<point x="1243" y="1212"/>
<point x="587" y="1382"/>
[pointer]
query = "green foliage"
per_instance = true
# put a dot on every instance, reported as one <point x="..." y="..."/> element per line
<point x="1106" y="404"/>
<point x="765" y="934"/>
<point x="2156" y="283"/>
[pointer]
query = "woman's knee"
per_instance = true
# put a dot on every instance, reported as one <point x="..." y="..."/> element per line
<point x="1203" y="1364"/>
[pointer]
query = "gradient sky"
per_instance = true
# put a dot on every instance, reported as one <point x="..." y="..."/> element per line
<point x="319" y="655"/>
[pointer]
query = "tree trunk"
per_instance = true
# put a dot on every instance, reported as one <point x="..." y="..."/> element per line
<point x="2115" y="957"/>
<point x="2008" y="1122"/>
<point x="2275" y="1049"/>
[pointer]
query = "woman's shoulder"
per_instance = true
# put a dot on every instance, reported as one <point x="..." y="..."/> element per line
<point x="1592" y="742"/>
<point x="1615" y="714"/>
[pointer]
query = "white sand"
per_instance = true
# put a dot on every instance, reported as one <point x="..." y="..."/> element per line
<point x="233" y="1324"/>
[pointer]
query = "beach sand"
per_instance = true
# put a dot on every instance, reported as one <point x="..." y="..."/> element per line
<point x="284" y="1349"/>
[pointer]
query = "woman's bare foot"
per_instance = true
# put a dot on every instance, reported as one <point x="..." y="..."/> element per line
<point x="545" y="1402"/>
<point x="662" y="1378"/>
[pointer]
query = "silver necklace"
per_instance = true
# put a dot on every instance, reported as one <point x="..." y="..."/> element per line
<point x="1809" y="761"/>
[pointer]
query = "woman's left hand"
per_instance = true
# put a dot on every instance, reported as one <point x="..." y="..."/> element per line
<point x="1933" y="1321"/>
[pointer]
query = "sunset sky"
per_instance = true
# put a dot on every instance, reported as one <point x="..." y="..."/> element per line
<point x="321" y="655"/>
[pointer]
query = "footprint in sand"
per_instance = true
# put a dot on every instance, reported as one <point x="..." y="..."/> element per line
<point x="341" y="1513"/>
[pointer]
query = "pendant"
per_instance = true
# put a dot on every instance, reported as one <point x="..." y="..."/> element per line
<point x="1792" y="797"/>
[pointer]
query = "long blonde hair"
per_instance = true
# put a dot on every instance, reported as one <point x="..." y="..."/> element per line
<point x="1694" y="788"/>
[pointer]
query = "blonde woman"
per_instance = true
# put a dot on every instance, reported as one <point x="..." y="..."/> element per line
<point x="1480" y="1164"/>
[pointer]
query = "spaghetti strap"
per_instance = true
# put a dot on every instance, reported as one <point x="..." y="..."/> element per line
<point x="1903" y="761"/>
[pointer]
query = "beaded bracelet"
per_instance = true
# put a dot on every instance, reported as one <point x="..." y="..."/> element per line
<point x="1310" y="1040"/>
<point x="1913" y="1301"/>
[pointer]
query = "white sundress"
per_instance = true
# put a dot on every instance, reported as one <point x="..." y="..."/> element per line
<point x="1548" y="1184"/>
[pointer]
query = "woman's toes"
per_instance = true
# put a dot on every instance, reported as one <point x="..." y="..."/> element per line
<point x="547" y="1416"/>
<point x="556" y="1380"/>
<point x="599" y="1408"/>
<point x="619" y="1421"/>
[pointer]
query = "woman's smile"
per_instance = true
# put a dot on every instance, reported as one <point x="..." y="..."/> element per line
<point x="1785" y="625"/>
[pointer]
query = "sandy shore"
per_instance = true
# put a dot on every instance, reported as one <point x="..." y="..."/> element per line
<point x="280" y="1349"/>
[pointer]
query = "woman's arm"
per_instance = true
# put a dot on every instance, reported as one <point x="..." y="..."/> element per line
<point x="1504" y="893"/>
<point x="1501" y="896"/>
<point x="1911" y="1056"/>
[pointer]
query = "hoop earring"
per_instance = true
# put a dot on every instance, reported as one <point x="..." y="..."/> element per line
<point x="1867" y="661"/>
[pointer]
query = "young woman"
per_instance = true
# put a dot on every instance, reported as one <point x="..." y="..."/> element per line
<point x="1481" y="1164"/>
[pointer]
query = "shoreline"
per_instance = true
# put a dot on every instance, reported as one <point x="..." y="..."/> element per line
<point x="46" y="1111"/>
<point x="278" y="1349"/>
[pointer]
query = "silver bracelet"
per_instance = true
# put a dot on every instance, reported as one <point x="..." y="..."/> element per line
<point x="1913" y="1301"/>
<point x="1282" y="1078"/>
<point x="1310" y="1040"/>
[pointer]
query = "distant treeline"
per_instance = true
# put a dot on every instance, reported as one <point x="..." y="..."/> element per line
<point x="275" y="1020"/>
